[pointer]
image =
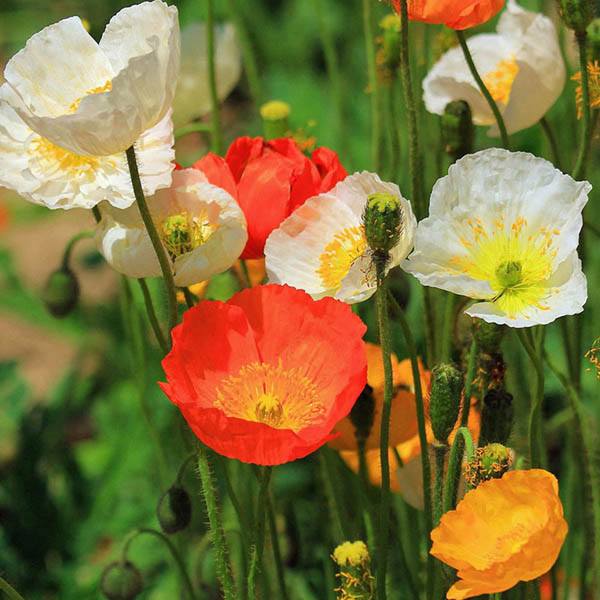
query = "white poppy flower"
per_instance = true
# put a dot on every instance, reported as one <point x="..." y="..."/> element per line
<point x="503" y="227"/>
<point x="521" y="65"/>
<point x="57" y="178"/>
<point x="201" y="226"/>
<point x="97" y="99"/>
<point x="321" y="247"/>
<point x="192" y="98"/>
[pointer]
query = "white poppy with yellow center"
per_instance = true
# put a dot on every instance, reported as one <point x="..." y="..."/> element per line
<point x="321" y="247"/>
<point x="46" y="174"/>
<point x="521" y="65"/>
<point x="503" y="228"/>
<point x="200" y="225"/>
<point x="97" y="99"/>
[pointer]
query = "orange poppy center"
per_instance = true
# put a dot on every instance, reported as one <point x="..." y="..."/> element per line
<point x="270" y="394"/>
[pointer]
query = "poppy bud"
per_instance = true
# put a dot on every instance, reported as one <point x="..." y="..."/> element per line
<point x="275" y="115"/>
<point x="577" y="14"/>
<point x="489" y="462"/>
<point x="61" y="292"/>
<point x="356" y="580"/>
<point x="362" y="414"/>
<point x="383" y="220"/>
<point x="174" y="510"/>
<point x="121" y="580"/>
<point x="444" y="403"/>
<point x="488" y="335"/>
<point x="458" y="131"/>
<point x="496" y="417"/>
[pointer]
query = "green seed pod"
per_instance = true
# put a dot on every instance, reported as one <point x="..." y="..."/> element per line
<point x="576" y="14"/>
<point x="444" y="400"/>
<point x="383" y="219"/>
<point x="121" y="581"/>
<point x="458" y="131"/>
<point x="61" y="292"/>
<point x="489" y="462"/>
<point x="174" y="510"/>
<point x="488" y="335"/>
<point x="496" y="417"/>
<point x="362" y="414"/>
<point x="275" y="115"/>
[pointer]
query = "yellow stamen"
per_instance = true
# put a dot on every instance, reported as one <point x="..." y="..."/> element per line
<point x="107" y="87"/>
<point x="183" y="232"/>
<point x="340" y="254"/>
<point x="51" y="158"/>
<point x="500" y="81"/>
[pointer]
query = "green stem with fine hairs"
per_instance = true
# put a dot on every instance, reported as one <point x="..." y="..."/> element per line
<point x="223" y="567"/>
<point x="161" y="253"/>
<point x="462" y="441"/>
<point x="9" y="590"/>
<point x="483" y="89"/>
<point x="584" y="147"/>
<point x="158" y="332"/>
<point x="216" y="133"/>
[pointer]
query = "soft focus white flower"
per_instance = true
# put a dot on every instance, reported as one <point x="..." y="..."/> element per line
<point x="57" y="178"/>
<point x="321" y="247"/>
<point x="521" y="65"/>
<point x="192" y="98"/>
<point x="503" y="227"/>
<point x="201" y="226"/>
<point x="98" y="99"/>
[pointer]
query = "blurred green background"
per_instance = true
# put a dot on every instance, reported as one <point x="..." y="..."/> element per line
<point x="80" y="413"/>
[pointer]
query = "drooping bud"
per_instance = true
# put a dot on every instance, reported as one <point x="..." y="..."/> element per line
<point x="444" y="400"/>
<point x="174" y="510"/>
<point x="121" y="580"/>
<point x="383" y="220"/>
<point x="356" y="580"/>
<point x="275" y="115"/>
<point x="61" y="292"/>
<point x="362" y="414"/>
<point x="576" y="14"/>
<point x="458" y="131"/>
<point x="489" y="462"/>
<point x="496" y="417"/>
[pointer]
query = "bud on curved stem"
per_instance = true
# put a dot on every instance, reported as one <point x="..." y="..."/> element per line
<point x="121" y="580"/>
<point x="445" y="400"/>
<point x="458" y="131"/>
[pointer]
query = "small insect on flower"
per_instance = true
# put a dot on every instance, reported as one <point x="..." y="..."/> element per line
<point x="200" y="225"/>
<point x="521" y="65"/>
<point x="322" y="247"/>
<point x="505" y="531"/>
<point x="96" y="99"/>
<point x="503" y="228"/>
<point x="265" y="377"/>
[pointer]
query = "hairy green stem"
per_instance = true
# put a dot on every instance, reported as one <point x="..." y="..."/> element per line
<point x="584" y="146"/>
<point x="462" y="441"/>
<point x="215" y="116"/>
<point x="547" y="128"/>
<point x="158" y="332"/>
<point x="161" y="253"/>
<point x="440" y="452"/>
<point x="9" y="590"/>
<point x="334" y="499"/>
<point x="483" y="89"/>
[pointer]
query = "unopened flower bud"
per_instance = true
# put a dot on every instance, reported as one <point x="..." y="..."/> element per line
<point x="275" y="115"/>
<point x="61" y="292"/>
<point x="444" y="400"/>
<point x="121" y="580"/>
<point x="356" y="580"/>
<point x="489" y="462"/>
<point x="458" y="131"/>
<point x="383" y="219"/>
<point x="362" y="414"/>
<point x="488" y="335"/>
<point x="576" y="14"/>
<point x="496" y="417"/>
<point x="174" y="510"/>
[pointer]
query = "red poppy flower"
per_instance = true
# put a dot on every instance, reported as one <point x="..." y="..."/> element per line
<point x="266" y="376"/>
<point x="456" y="14"/>
<point x="270" y="179"/>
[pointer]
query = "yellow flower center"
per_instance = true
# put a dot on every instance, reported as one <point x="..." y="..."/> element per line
<point x="499" y="82"/>
<point x="50" y="158"/>
<point x="269" y="394"/>
<point x="183" y="232"/>
<point x="515" y="263"/>
<point x="340" y="254"/>
<point x="351" y="553"/>
<point x="101" y="89"/>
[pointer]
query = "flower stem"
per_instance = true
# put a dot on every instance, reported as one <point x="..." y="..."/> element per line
<point x="584" y="147"/>
<point x="71" y="245"/>
<point x="191" y="128"/>
<point x="483" y="89"/>
<point x="9" y="590"/>
<point x="161" y="253"/>
<point x="373" y="84"/>
<point x="425" y="466"/>
<point x="440" y="452"/>
<point x="216" y="134"/>
<point x="462" y="441"/>
<point x="333" y="496"/>
<point x="158" y="333"/>
<point x="551" y="141"/>
<point x="283" y="595"/>
<point x="223" y="567"/>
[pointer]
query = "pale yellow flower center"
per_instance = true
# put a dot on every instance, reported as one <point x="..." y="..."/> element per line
<point x="499" y="82"/>
<point x="351" y="553"/>
<point x="340" y="254"/>
<point x="516" y="264"/>
<point x="270" y="394"/>
<point x="183" y="232"/>
<point x="101" y="89"/>
<point x="51" y="157"/>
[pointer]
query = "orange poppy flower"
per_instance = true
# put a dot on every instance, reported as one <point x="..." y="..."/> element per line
<point x="456" y="14"/>
<point x="265" y="376"/>
<point x="504" y="531"/>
